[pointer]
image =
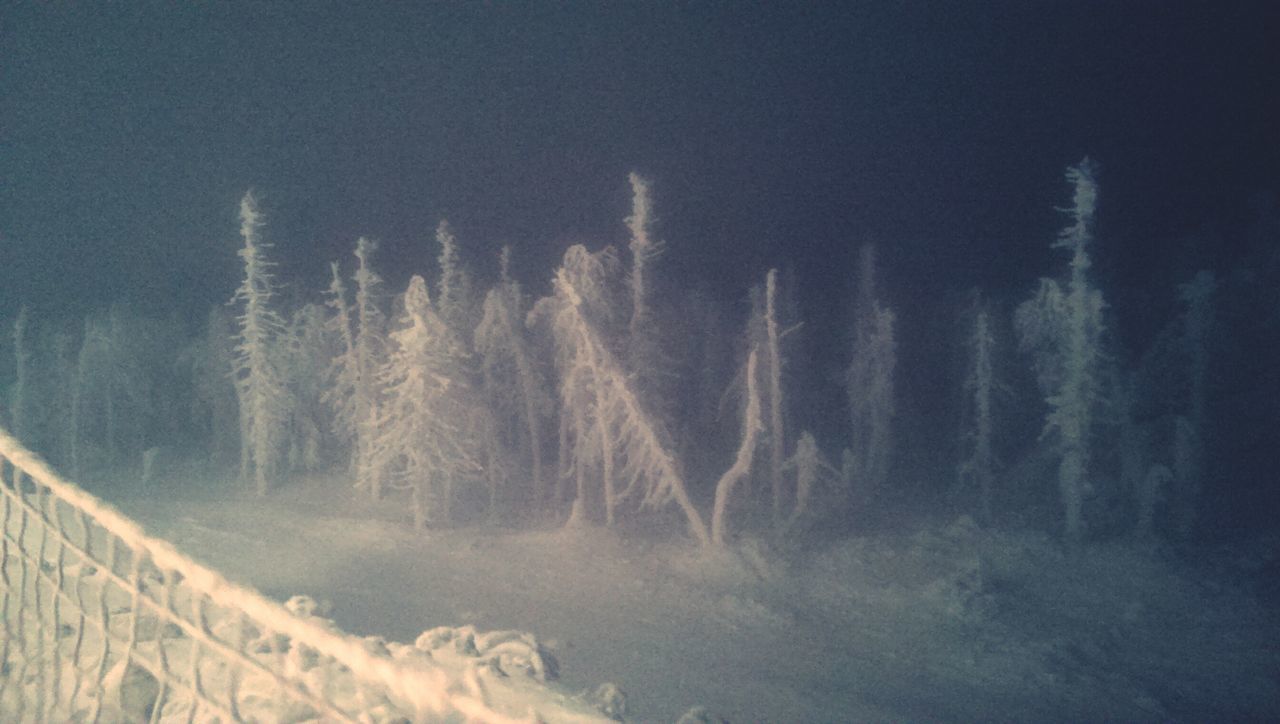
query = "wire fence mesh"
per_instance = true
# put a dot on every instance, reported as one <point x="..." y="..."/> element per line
<point x="102" y="623"/>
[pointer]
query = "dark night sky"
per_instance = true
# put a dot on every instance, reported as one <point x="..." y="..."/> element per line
<point x="771" y="134"/>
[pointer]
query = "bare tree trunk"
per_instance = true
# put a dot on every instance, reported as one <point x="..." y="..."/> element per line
<point x="776" y="439"/>
<point x="579" y="468"/>
<point x="562" y="477"/>
<point x="742" y="463"/>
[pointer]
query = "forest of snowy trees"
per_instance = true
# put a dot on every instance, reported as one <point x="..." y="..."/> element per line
<point x="604" y="402"/>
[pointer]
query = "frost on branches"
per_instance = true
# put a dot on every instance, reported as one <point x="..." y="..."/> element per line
<point x="260" y="383"/>
<point x="306" y="353"/>
<point x="765" y="334"/>
<point x="644" y="351"/>
<point x="342" y="374"/>
<point x="870" y="384"/>
<point x="977" y="468"/>
<point x="455" y="283"/>
<point x="353" y="389"/>
<point x="1062" y="328"/>
<point x="420" y="441"/>
<point x="513" y="384"/>
<point x="607" y="430"/>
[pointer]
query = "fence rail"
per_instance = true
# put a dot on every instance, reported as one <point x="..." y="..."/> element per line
<point x="102" y="623"/>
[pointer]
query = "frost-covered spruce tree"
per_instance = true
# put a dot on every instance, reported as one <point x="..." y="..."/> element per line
<point x="1062" y="327"/>
<point x="454" y="292"/>
<point x="586" y="450"/>
<point x="307" y="357"/>
<point x="355" y="388"/>
<point x="977" y="467"/>
<point x="608" y="422"/>
<point x="513" y="385"/>
<point x="496" y="459"/>
<point x="869" y="382"/>
<point x="644" y="350"/>
<point x="421" y="441"/>
<point x="342" y="374"/>
<point x="261" y="385"/>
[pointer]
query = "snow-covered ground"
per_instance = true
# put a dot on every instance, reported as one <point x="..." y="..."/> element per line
<point x="944" y="622"/>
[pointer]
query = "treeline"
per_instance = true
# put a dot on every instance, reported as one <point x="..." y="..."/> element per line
<point x="605" y="400"/>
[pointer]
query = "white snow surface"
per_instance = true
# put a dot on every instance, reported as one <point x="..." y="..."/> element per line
<point x="942" y="622"/>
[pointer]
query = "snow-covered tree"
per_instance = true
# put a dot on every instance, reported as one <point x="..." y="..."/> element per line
<point x="586" y="449"/>
<point x="40" y="397"/>
<point x="1062" y="327"/>
<point x="421" y="438"/>
<point x="644" y="350"/>
<point x="307" y="358"/>
<point x="342" y="375"/>
<point x="869" y="382"/>
<point x="512" y="382"/>
<point x="765" y="334"/>
<point x="455" y="289"/>
<point x="773" y="366"/>
<point x="496" y="459"/>
<point x="261" y="385"/>
<point x="354" y="388"/>
<point x="977" y="466"/>
<point x="741" y="468"/>
<point x="608" y="426"/>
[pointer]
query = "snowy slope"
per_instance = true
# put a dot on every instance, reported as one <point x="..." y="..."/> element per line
<point x="946" y="623"/>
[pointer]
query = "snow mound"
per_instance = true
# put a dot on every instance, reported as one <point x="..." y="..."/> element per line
<point x="746" y="564"/>
<point x="743" y="611"/>
<point x="507" y="653"/>
<point x="937" y="573"/>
